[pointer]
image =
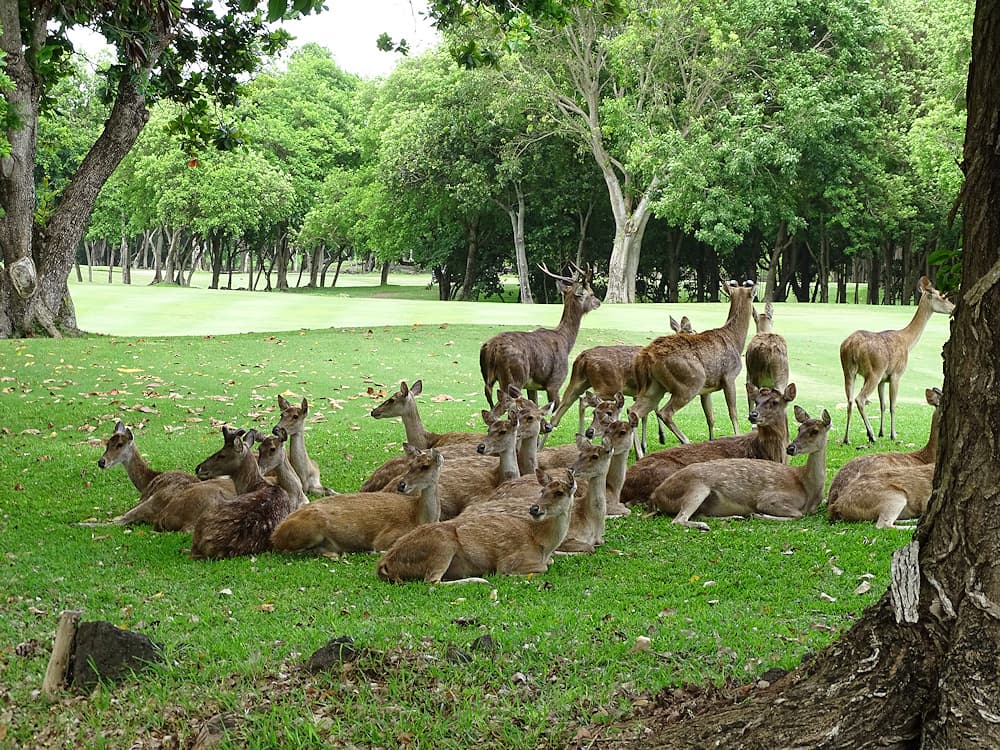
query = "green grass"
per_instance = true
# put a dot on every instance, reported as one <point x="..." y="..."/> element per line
<point x="731" y="603"/>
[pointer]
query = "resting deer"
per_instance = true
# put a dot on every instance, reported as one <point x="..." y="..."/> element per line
<point x="885" y="496"/>
<point x="272" y="458"/>
<point x="539" y="359"/>
<point x="293" y="422"/>
<point x="767" y="442"/>
<point x="873" y="462"/>
<point x="463" y="548"/>
<point x="696" y="363"/>
<point x="367" y="521"/>
<point x="767" y="353"/>
<point x="609" y="370"/>
<point x="156" y="489"/>
<point x="243" y="525"/>
<point x="744" y="486"/>
<point x="403" y="404"/>
<point x="618" y="436"/>
<point x="881" y="358"/>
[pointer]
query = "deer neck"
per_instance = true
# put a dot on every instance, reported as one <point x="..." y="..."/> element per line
<point x="507" y="469"/>
<point x="429" y="505"/>
<point x="813" y="477"/>
<point x="569" y="323"/>
<point x="772" y="440"/>
<point x="737" y="325"/>
<point x="416" y="433"/>
<point x="550" y="532"/>
<point x="912" y="331"/>
<point x="297" y="454"/>
<point x="247" y="476"/>
<point x="928" y="453"/>
<point x="594" y="507"/>
<point x="527" y="455"/>
<point x="289" y="481"/>
<point x="616" y="476"/>
<point x="139" y="472"/>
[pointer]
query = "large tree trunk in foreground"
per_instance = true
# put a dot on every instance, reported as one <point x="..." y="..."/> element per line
<point x="933" y="682"/>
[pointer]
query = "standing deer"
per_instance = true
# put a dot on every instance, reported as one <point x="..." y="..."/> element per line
<point x="767" y="442"/>
<point x="744" y="486"/>
<point x="367" y="521"/>
<point x="539" y="359"/>
<point x="881" y="357"/>
<point x="243" y="525"/>
<point x="767" y="354"/>
<point x="468" y="547"/>
<point x="293" y="422"/>
<point x="697" y="363"/>
<point x="874" y="462"/>
<point x="609" y="370"/>
<point x="403" y="404"/>
<point x="885" y="496"/>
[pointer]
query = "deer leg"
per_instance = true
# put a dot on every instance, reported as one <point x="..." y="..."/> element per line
<point x="674" y="403"/>
<point x="706" y="407"/>
<point x="893" y="392"/>
<point x="891" y="508"/>
<point x="552" y="393"/>
<point x="533" y="395"/>
<point x="881" y="409"/>
<point x="863" y="395"/>
<point x="849" y="392"/>
<point x="729" y="390"/>
<point x="778" y="508"/>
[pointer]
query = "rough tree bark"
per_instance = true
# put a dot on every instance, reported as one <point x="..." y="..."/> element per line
<point x="516" y="212"/>
<point x="933" y="682"/>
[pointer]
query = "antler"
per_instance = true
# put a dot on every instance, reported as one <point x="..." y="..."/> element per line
<point x="547" y="272"/>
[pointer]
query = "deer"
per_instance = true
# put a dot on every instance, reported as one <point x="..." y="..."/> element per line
<point x="874" y="462"/>
<point x="466" y="548"/>
<point x="367" y="521"/>
<point x="273" y="460"/>
<point x="881" y="358"/>
<point x="885" y="495"/>
<point x="243" y="525"/>
<point x="618" y="435"/>
<point x="609" y="370"/>
<point x="539" y="359"/>
<point x="403" y="404"/>
<point x="293" y="422"/>
<point x="767" y="353"/>
<point x="730" y="487"/>
<point x="767" y="442"/>
<point x="156" y="488"/>
<point x="697" y="363"/>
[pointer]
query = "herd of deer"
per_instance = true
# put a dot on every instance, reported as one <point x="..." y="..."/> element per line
<point x="459" y="505"/>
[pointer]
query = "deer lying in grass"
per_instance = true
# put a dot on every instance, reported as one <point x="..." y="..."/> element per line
<point x="463" y="548"/>
<point x="873" y="462"/>
<point x="767" y="354"/>
<point x="696" y="363"/>
<point x="403" y="404"/>
<point x="243" y="525"/>
<point x="885" y="496"/>
<point x="293" y="422"/>
<point x="619" y="436"/>
<point x="767" y="442"/>
<point x="744" y="486"/>
<point x="366" y="521"/>
<point x="539" y="359"/>
<point x="609" y="370"/>
<point x="881" y="358"/>
<point x="157" y="490"/>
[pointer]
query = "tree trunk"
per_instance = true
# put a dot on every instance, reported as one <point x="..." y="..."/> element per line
<point x="926" y="677"/>
<point x="471" y="251"/>
<point x="317" y="262"/>
<point x="384" y="278"/>
<point x="583" y="221"/>
<point x="780" y="243"/>
<point x="516" y="214"/>
<point x="281" y="261"/>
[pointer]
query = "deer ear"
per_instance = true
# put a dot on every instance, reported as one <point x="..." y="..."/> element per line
<point x="826" y="418"/>
<point x="403" y="387"/>
<point x="633" y="419"/>
<point x="229" y="434"/>
<point x="249" y="436"/>
<point x="686" y="324"/>
<point x="619" y="399"/>
<point x="924" y="284"/>
<point x="410" y="450"/>
<point x="789" y="394"/>
<point x="674" y="325"/>
<point x="305" y="406"/>
<point x="283" y="402"/>
<point x="541" y="477"/>
<point x="752" y="390"/>
<point x="417" y="388"/>
<point x="120" y="428"/>
<point x="769" y="309"/>
<point x="801" y="415"/>
<point x="487" y="416"/>
<point x="281" y="433"/>
<point x="933" y="396"/>
<point x="437" y="456"/>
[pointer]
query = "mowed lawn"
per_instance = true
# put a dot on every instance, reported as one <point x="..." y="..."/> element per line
<point x="567" y="666"/>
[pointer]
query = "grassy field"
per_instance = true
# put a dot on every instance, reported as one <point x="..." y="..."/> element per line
<point x="725" y="605"/>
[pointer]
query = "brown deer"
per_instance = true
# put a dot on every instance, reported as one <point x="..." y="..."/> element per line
<point x="885" y="496"/>
<point x="744" y="486"/>
<point x="881" y="357"/>
<point x="609" y="370"/>
<point x="767" y="442"/>
<point x="618" y="435"/>
<point x="272" y="458"/>
<point x="539" y="359"/>
<point x="463" y="548"/>
<point x="403" y="404"/>
<point x="873" y="462"/>
<point x="243" y="525"/>
<point x="767" y="353"/>
<point x="156" y="489"/>
<point x="692" y="364"/>
<point x="293" y="422"/>
<point x="366" y="521"/>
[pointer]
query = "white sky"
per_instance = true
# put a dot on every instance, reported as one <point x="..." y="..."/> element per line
<point x="349" y="29"/>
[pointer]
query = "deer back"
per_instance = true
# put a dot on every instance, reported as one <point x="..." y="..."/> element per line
<point x="870" y="495"/>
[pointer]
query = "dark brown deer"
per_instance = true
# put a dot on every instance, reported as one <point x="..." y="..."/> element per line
<point x="367" y="521"/>
<point x="874" y="462"/>
<point x="466" y="548"/>
<point x="767" y="442"/>
<point x="403" y="404"/>
<point x="538" y="360"/>
<point x="767" y="354"/>
<point x="744" y="486"/>
<point x="693" y="364"/>
<point x="243" y="525"/>
<point x="886" y="496"/>
<point x="293" y="422"/>
<point x="881" y="358"/>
